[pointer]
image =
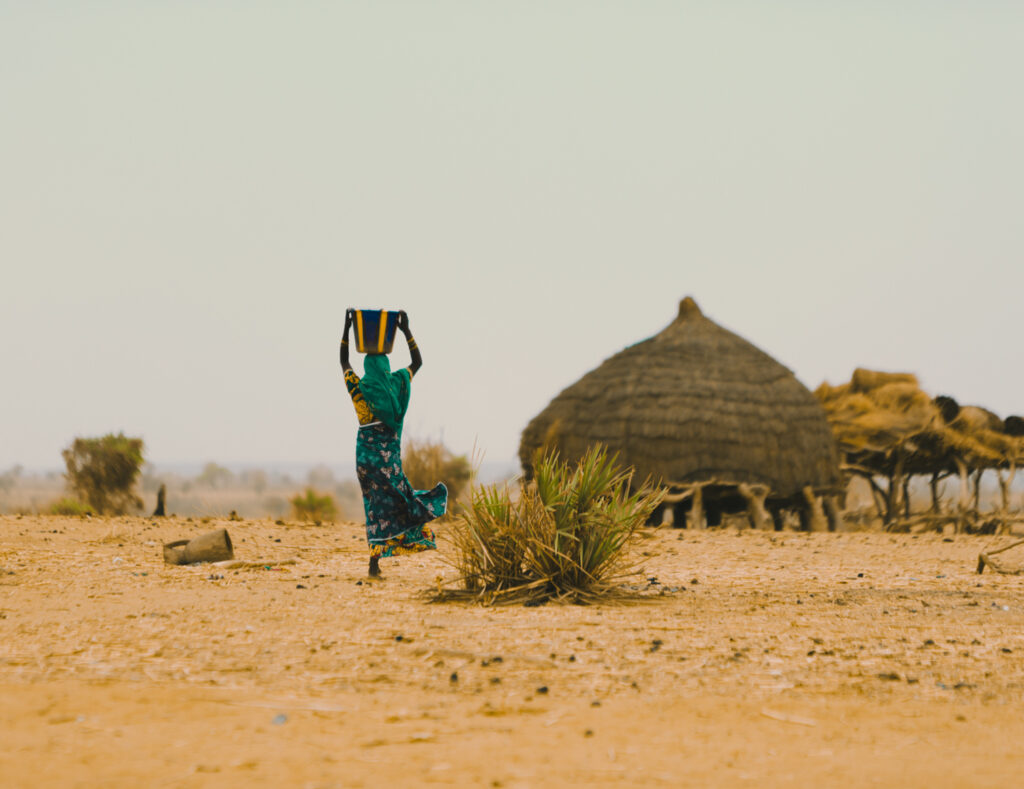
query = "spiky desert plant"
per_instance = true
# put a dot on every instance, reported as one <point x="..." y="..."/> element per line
<point x="566" y="536"/>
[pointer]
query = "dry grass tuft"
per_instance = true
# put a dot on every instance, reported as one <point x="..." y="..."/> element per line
<point x="70" y="507"/>
<point x="426" y="463"/>
<point x="567" y="536"/>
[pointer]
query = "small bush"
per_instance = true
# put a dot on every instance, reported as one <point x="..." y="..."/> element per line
<point x="214" y="475"/>
<point x="567" y="535"/>
<point x="71" y="507"/>
<point x="314" y="508"/>
<point x="426" y="463"/>
<point x="102" y="472"/>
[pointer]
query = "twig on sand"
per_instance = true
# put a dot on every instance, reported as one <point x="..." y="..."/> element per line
<point x="285" y="705"/>
<point x="473" y="656"/>
<point x="235" y="564"/>
<point x="784" y="718"/>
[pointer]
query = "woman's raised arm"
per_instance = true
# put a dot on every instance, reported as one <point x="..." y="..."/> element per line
<point x="345" y="365"/>
<point x="414" y="349"/>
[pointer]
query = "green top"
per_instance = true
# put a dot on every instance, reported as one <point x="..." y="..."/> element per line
<point x="380" y="395"/>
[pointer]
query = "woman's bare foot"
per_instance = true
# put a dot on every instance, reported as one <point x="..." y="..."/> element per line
<point x="375" y="567"/>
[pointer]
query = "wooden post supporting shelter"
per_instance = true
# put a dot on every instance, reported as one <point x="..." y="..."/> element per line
<point x="815" y="516"/>
<point x="832" y="512"/>
<point x="756" y="512"/>
<point x="696" y="517"/>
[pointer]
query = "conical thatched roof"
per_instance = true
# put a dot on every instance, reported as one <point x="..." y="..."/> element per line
<point x="694" y="403"/>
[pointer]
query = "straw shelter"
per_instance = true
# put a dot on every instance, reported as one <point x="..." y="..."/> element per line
<point x="704" y="413"/>
<point x="889" y="430"/>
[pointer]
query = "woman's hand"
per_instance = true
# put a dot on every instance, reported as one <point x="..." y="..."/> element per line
<point x="348" y="322"/>
<point x="403" y="322"/>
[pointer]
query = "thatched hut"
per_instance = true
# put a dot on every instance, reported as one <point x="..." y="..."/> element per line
<point x="704" y="413"/>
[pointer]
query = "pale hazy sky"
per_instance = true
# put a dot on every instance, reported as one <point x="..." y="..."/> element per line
<point x="191" y="194"/>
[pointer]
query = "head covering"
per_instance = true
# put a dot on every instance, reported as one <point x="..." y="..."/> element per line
<point x="387" y="393"/>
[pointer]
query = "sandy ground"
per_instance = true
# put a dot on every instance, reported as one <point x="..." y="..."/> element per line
<point x="770" y="660"/>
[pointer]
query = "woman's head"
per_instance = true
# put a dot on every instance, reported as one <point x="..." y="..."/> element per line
<point x="377" y="363"/>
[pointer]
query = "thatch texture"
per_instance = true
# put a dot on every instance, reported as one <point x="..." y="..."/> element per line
<point x="884" y="419"/>
<point x="695" y="403"/>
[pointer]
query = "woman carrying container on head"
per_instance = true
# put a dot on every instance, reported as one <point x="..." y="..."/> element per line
<point x="396" y="515"/>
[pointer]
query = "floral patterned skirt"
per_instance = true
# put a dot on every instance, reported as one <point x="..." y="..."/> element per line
<point x="396" y="515"/>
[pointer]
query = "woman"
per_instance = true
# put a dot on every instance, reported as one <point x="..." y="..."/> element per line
<point x="396" y="515"/>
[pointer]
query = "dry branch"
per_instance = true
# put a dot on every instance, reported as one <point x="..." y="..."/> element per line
<point x="986" y="559"/>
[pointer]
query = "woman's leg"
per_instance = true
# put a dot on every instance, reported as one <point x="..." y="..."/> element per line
<point x="374" y="567"/>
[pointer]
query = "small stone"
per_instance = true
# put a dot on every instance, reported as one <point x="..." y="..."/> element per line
<point x="279" y="719"/>
<point x="542" y="690"/>
<point x="454" y="677"/>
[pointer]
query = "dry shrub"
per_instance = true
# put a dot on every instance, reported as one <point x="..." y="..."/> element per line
<point x="103" y="471"/>
<point x="426" y="463"/>
<point x="565" y="537"/>
<point x="314" y="508"/>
